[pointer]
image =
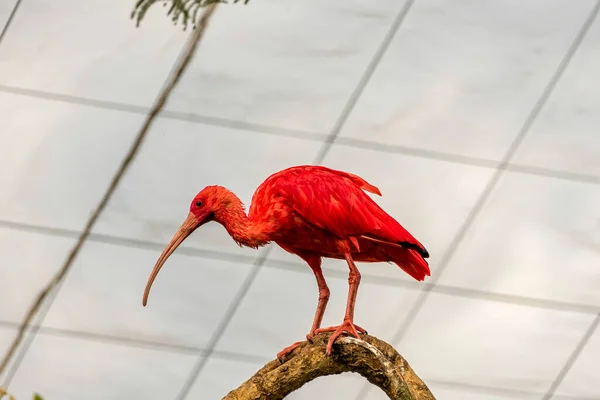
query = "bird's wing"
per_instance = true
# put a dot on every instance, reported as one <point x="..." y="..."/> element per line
<point x="335" y="201"/>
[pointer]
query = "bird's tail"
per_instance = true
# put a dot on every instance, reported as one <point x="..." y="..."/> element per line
<point x="410" y="256"/>
<point x="410" y="261"/>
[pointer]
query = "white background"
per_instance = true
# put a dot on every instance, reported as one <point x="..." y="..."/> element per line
<point x="479" y="121"/>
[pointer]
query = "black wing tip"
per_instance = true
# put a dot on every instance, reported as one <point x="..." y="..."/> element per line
<point x="421" y="250"/>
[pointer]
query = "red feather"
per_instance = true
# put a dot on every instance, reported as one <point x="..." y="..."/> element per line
<point x="322" y="211"/>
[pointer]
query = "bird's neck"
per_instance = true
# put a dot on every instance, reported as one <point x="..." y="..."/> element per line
<point x="242" y="229"/>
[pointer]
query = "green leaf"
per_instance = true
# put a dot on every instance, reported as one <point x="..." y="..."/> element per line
<point x="36" y="396"/>
<point x="179" y="10"/>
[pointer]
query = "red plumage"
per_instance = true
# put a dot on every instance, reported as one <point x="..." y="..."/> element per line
<point x="319" y="209"/>
<point x="313" y="212"/>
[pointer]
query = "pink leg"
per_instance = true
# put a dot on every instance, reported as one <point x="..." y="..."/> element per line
<point x="323" y="297"/>
<point x="348" y="324"/>
<point x="315" y="265"/>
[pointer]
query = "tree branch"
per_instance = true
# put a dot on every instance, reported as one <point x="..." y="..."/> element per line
<point x="370" y="357"/>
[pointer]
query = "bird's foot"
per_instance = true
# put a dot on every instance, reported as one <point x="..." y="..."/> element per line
<point x="347" y="326"/>
<point x="357" y="328"/>
<point x="287" y="350"/>
<point x="290" y="348"/>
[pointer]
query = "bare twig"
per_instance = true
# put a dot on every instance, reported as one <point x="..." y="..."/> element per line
<point x="370" y="357"/>
<point x="183" y="61"/>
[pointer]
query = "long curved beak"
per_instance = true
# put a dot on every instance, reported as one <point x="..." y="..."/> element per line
<point x="188" y="226"/>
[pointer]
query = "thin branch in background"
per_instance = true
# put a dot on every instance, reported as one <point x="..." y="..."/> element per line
<point x="185" y="10"/>
<point x="4" y="394"/>
<point x="181" y="64"/>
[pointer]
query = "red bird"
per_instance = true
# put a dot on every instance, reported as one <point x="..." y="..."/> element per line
<point x="313" y="212"/>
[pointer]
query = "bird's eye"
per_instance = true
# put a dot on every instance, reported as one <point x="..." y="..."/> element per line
<point x="198" y="204"/>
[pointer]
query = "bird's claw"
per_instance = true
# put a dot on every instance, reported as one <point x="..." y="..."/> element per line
<point x="287" y="350"/>
<point x="347" y="326"/>
<point x="309" y="336"/>
<point x="334" y="328"/>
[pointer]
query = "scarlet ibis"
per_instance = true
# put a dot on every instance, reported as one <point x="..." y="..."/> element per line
<point x="313" y="212"/>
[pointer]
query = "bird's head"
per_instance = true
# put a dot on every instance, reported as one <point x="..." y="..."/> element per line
<point x="211" y="204"/>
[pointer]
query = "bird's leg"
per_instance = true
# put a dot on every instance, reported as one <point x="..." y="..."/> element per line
<point x="323" y="298"/>
<point x="315" y="265"/>
<point x="348" y="324"/>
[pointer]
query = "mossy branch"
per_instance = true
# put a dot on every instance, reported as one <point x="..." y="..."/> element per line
<point x="184" y="10"/>
<point x="370" y="357"/>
